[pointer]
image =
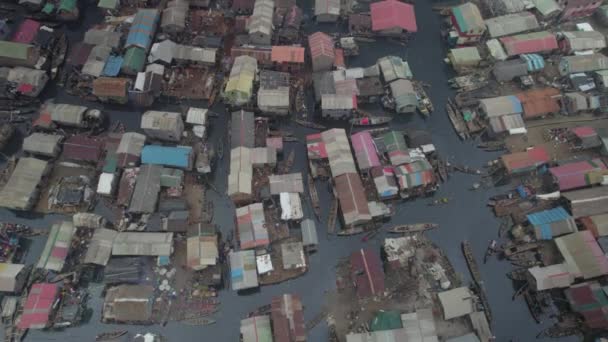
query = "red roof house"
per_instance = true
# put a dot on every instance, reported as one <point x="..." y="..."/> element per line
<point x="27" y="31"/>
<point x="322" y="51"/>
<point x="539" y="102"/>
<point x="576" y="175"/>
<point x="83" y="148"/>
<point x="367" y="273"/>
<point x="392" y="16"/>
<point x="529" y="43"/>
<point x="287" y="316"/>
<point x="316" y="146"/>
<point x="521" y="162"/>
<point x="287" y="58"/>
<point x="589" y="299"/>
<point x="38" y="306"/>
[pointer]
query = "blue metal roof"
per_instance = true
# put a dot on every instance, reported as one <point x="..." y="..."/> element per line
<point x="535" y="61"/>
<point x="517" y="107"/>
<point x="166" y="155"/>
<point x="543" y="220"/>
<point x="112" y="67"/>
<point x="143" y="28"/>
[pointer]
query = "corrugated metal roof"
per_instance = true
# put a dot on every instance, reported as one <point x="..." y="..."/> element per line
<point x="83" y="148"/>
<point x="242" y="129"/>
<point x="415" y="174"/>
<point x="57" y="246"/>
<point x="584" y="40"/>
<point x="583" y="256"/>
<point x="38" y="306"/>
<point x="287" y="54"/>
<point x="111" y="87"/>
<point x="526" y="161"/>
<point x="244" y="275"/>
<point x="251" y="226"/>
<point x="539" y="102"/>
<point x="338" y="102"/>
<point x="178" y="156"/>
<point x="468" y="18"/>
<point x="147" y="188"/>
<point x="393" y="68"/>
<point x="352" y="199"/>
<point x="464" y="56"/>
<point x="321" y="45"/>
<point x="338" y="151"/>
<point x="365" y="150"/>
<point x="27" y="31"/>
<point x="102" y="37"/>
<point x="143" y="244"/>
<point x="43" y="144"/>
<point x="367" y="273"/>
<point x="390" y="14"/>
<point x="502" y="105"/>
<point x="291" y="182"/>
<point x="20" y="191"/>
<point x="287" y="314"/>
<point x="511" y="23"/>
<point x="327" y="7"/>
<point x="309" y="233"/>
<point x="575" y="175"/>
<point x="588" y="202"/>
<point x="143" y="28"/>
<point x="100" y="248"/>
<point x="551" y="223"/>
<point x="551" y="277"/>
<point x="456" y="302"/>
<point x="535" y="42"/>
<point x="582" y="63"/>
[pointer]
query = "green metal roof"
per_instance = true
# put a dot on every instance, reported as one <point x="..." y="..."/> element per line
<point x="110" y="163"/>
<point x="67" y="5"/>
<point x="386" y="320"/>
<point x="468" y="18"/>
<point x="14" y="50"/>
<point x="394" y="141"/>
<point x="134" y="60"/>
<point x="48" y="8"/>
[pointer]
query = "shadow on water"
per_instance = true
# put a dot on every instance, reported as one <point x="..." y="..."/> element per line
<point x="465" y="217"/>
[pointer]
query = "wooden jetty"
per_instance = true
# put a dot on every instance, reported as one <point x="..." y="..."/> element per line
<point x="457" y="121"/>
<point x="314" y="197"/>
<point x="467" y="251"/>
<point x="333" y="215"/>
<point x="350" y="231"/>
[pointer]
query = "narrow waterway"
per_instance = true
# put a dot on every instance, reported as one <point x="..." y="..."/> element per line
<point x="465" y="217"/>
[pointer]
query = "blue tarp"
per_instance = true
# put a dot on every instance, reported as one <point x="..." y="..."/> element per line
<point x="112" y="67"/>
<point x="523" y="193"/>
<point x="143" y="28"/>
<point x="168" y="156"/>
<point x="535" y="62"/>
<point x="236" y="273"/>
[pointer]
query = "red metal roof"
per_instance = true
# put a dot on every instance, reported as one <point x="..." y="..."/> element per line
<point x="27" y="31"/>
<point x="80" y="147"/>
<point x="367" y="273"/>
<point x="339" y="59"/>
<point x="315" y="146"/>
<point x="584" y="131"/>
<point x="390" y="14"/>
<point x="321" y="45"/>
<point x="38" y="306"/>
<point x="524" y="161"/>
<point x="575" y="175"/>
<point x="529" y="43"/>
<point x="539" y="102"/>
<point x="288" y="319"/>
<point x="287" y="54"/>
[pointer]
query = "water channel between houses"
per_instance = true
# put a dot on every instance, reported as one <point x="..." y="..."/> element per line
<point x="465" y="217"/>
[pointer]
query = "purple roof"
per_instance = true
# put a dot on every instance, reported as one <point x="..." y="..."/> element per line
<point x="575" y="175"/>
<point x="365" y="150"/>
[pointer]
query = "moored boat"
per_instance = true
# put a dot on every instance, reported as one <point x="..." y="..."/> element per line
<point x="310" y="124"/>
<point x="412" y="228"/>
<point x="110" y="335"/>
<point x="371" y="120"/>
<point x="199" y="321"/>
